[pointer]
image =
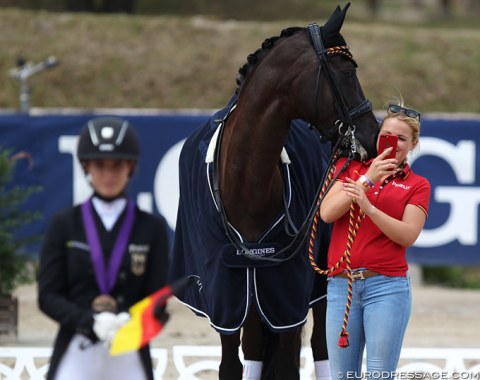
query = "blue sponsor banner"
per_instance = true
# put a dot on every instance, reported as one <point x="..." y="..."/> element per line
<point x="447" y="156"/>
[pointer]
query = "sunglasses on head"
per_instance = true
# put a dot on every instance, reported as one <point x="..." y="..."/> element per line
<point x="394" y="108"/>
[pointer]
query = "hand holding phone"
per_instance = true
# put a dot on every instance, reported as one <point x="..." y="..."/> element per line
<point x="387" y="141"/>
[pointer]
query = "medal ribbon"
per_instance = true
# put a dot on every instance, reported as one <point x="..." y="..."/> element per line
<point x="106" y="277"/>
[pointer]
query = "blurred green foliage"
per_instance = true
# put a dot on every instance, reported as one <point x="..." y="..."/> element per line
<point x="455" y="276"/>
<point x="16" y="266"/>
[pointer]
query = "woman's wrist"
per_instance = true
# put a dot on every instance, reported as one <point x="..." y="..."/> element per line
<point x="365" y="181"/>
<point x="370" y="210"/>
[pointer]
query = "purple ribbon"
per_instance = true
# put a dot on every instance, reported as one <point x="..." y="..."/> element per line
<point x="106" y="277"/>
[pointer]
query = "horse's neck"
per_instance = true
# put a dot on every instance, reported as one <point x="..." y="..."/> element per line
<point x="250" y="178"/>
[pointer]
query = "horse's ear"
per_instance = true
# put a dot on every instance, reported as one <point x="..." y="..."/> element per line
<point x="344" y="12"/>
<point x="331" y="29"/>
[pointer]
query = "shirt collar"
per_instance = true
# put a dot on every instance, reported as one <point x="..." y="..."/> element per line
<point x="109" y="211"/>
<point x="405" y="172"/>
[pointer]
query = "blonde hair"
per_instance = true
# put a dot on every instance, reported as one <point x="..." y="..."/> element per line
<point x="412" y="122"/>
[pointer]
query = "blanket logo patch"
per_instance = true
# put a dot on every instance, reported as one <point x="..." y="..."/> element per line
<point x="258" y="255"/>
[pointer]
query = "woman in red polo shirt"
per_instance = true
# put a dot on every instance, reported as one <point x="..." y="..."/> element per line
<point x="392" y="203"/>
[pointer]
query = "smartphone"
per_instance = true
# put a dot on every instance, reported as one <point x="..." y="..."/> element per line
<point x="387" y="141"/>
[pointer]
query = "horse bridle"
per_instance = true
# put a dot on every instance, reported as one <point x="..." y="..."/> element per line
<point x="346" y="118"/>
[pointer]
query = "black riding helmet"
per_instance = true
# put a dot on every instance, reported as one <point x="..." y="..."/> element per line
<point x="108" y="138"/>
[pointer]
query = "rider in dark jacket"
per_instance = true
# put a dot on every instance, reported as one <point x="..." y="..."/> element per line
<point x="99" y="258"/>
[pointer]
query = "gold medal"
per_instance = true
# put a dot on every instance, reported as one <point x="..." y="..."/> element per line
<point x="104" y="302"/>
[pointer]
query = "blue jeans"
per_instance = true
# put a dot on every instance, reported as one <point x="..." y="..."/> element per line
<point x="378" y="319"/>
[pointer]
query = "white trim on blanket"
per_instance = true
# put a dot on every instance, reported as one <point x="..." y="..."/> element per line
<point x="260" y="310"/>
<point x="218" y="328"/>
<point x="209" y="157"/>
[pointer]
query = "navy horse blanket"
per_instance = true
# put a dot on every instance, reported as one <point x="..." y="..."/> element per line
<point x="282" y="293"/>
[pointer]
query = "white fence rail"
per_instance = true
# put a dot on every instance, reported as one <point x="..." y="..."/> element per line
<point x="190" y="362"/>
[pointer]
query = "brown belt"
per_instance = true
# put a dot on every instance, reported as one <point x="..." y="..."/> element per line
<point x="359" y="274"/>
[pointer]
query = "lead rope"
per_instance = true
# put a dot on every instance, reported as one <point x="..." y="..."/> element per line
<point x="352" y="232"/>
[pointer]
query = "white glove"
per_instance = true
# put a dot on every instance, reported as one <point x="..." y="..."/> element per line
<point x="106" y="324"/>
<point x="123" y="318"/>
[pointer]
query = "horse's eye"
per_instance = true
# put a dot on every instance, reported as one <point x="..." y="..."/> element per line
<point x="349" y="73"/>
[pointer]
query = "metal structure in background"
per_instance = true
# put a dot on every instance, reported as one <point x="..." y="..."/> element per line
<point x="25" y="70"/>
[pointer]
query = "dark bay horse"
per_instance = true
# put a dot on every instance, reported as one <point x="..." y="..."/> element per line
<point x="248" y="180"/>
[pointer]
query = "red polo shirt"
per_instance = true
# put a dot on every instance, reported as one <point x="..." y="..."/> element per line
<point x="371" y="249"/>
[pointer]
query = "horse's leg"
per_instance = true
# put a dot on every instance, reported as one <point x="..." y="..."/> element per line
<point x="253" y="345"/>
<point x="318" y="341"/>
<point x="230" y="365"/>
<point x="279" y="352"/>
<point x="282" y="358"/>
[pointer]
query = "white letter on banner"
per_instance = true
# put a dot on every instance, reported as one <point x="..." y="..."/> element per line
<point x="460" y="157"/>
<point x="462" y="221"/>
<point x="81" y="188"/>
<point x="166" y="184"/>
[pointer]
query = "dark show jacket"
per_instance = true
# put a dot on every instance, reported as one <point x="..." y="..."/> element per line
<point x="67" y="284"/>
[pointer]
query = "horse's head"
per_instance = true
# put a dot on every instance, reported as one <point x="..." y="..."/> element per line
<point x="337" y="84"/>
<point x="310" y="74"/>
<point x="331" y="92"/>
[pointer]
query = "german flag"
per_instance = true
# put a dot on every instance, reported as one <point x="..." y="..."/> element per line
<point x="147" y="318"/>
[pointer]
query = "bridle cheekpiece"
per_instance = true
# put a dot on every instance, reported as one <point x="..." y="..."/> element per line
<point x="345" y="116"/>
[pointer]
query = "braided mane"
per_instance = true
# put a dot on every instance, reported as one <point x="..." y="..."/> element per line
<point x="253" y="58"/>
